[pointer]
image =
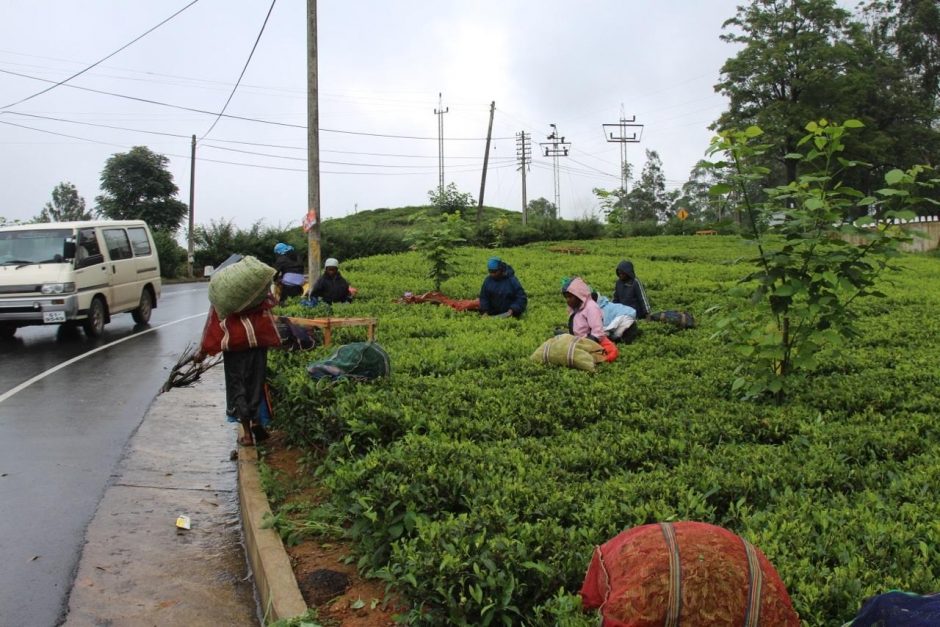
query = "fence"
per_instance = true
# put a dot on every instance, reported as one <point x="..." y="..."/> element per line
<point x="924" y="229"/>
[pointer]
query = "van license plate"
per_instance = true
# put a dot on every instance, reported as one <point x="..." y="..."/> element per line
<point x="53" y="316"/>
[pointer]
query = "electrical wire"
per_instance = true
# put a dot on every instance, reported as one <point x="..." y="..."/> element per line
<point x="252" y="165"/>
<point x="79" y="73"/>
<point x="244" y="69"/>
<point x="245" y="118"/>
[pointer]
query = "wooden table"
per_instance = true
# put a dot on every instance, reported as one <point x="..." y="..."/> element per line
<point x="328" y="324"/>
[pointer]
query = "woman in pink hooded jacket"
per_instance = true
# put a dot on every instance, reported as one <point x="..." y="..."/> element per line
<point x="585" y="318"/>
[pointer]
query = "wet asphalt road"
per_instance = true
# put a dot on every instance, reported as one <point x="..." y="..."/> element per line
<point x="62" y="434"/>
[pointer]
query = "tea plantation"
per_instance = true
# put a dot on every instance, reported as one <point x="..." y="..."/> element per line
<point x="477" y="482"/>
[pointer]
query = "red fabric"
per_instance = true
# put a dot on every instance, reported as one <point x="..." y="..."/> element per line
<point x="466" y="304"/>
<point x="628" y="578"/>
<point x="252" y="328"/>
<point x="610" y="349"/>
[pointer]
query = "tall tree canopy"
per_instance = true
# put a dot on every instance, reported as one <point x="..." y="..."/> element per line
<point x="649" y="200"/>
<point x="790" y="69"/>
<point x="541" y="209"/>
<point x="66" y="205"/>
<point x="138" y="186"/>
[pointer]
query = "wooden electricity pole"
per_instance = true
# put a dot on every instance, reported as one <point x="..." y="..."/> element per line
<point x="314" y="212"/>
<point x="192" y="196"/>
<point x="486" y="160"/>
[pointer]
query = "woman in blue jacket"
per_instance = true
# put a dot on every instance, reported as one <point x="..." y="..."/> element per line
<point x="502" y="294"/>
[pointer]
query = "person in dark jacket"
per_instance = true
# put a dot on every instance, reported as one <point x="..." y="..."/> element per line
<point x="331" y="287"/>
<point x="290" y="271"/>
<point x="629" y="291"/>
<point x="501" y="293"/>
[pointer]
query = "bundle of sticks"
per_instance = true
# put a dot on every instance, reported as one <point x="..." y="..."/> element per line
<point x="186" y="371"/>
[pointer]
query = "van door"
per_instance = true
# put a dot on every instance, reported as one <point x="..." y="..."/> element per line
<point x="92" y="274"/>
<point x="123" y="278"/>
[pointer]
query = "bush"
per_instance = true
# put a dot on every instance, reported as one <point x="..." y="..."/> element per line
<point x="172" y="255"/>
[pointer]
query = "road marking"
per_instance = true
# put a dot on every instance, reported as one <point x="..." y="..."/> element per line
<point x="169" y="294"/>
<point x="42" y="375"/>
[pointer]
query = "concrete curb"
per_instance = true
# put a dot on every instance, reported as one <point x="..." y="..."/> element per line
<point x="274" y="578"/>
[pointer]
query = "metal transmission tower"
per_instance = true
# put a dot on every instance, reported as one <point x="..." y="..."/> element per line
<point x="555" y="147"/>
<point x="439" y="112"/>
<point x="623" y="127"/>
<point x="524" y="155"/>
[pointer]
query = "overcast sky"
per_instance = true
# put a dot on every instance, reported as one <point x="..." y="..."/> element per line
<point x="574" y="63"/>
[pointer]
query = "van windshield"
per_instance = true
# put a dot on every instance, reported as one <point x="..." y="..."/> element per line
<point x="33" y="246"/>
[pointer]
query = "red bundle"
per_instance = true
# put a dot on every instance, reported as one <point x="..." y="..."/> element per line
<point x="685" y="573"/>
<point x="465" y="304"/>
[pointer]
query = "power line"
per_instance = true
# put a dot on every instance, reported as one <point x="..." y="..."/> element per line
<point x="244" y="69"/>
<point x="232" y="141"/>
<point x="240" y="117"/>
<point x="247" y="165"/>
<point x="79" y="73"/>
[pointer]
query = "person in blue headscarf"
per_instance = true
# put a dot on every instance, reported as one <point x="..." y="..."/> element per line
<point x="502" y="294"/>
<point x="290" y="271"/>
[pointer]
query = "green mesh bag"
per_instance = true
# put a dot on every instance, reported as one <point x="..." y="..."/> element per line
<point x="568" y="350"/>
<point x="359" y="361"/>
<point x="240" y="286"/>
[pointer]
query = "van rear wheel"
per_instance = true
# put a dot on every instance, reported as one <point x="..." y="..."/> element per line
<point x="93" y="325"/>
<point x="141" y="315"/>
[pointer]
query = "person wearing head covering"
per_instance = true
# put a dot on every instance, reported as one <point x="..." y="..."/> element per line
<point x="585" y="318"/>
<point x="502" y="293"/>
<point x="290" y="271"/>
<point x="629" y="291"/>
<point x="331" y="287"/>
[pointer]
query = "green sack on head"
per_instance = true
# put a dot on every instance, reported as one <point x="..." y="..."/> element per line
<point x="571" y="351"/>
<point x="240" y="286"/>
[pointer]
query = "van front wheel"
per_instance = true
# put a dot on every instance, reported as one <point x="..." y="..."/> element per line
<point x="93" y="325"/>
<point x="141" y="315"/>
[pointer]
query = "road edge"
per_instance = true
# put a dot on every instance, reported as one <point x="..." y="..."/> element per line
<point x="277" y="587"/>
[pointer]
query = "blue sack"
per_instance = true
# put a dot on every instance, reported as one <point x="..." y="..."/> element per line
<point x="899" y="609"/>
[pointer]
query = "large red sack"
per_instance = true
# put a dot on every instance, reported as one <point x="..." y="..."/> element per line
<point x="685" y="573"/>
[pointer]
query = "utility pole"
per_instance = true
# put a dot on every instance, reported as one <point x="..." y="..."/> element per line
<point x="439" y="112"/>
<point x="623" y="127"/>
<point x="192" y="196"/>
<point x="486" y="160"/>
<point x="555" y="147"/>
<point x="312" y="221"/>
<point x="524" y="155"/>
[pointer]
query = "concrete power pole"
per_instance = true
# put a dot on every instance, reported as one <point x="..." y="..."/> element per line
<point x="555" y="147"/>
<point x="439" y="112"/>
<point x="524" y="155"/>
<point x="192" y="197"/>
<point x="486" y="160"/>
<point x="623" y="127"/>
<point x="314" y="213"/>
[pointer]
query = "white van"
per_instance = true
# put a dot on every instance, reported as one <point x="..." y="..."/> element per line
<point x="77" y="272"/>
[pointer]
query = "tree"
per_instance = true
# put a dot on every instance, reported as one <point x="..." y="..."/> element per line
<point x="66" y="205"/>
<point x="450" y="199"/>
<point x="790" y="69"/>
<point x="649" y="200"/>
<point x="138" y="186"/>
<point x="541" y="209"/>
<point x="796" y="303"/>
<point x="895" y="87"/>
<point x="438" y="238"/>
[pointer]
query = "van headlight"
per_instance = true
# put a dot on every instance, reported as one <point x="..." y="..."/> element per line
<point x="58" y="288"/>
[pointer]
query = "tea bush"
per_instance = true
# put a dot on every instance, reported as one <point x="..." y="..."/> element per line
<point x="476" y="482"/>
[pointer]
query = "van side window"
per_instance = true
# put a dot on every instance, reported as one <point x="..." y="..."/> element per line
<point x="87" y="250"/>
<point x="139" y="241"/>
<point x="118" y="245"/>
